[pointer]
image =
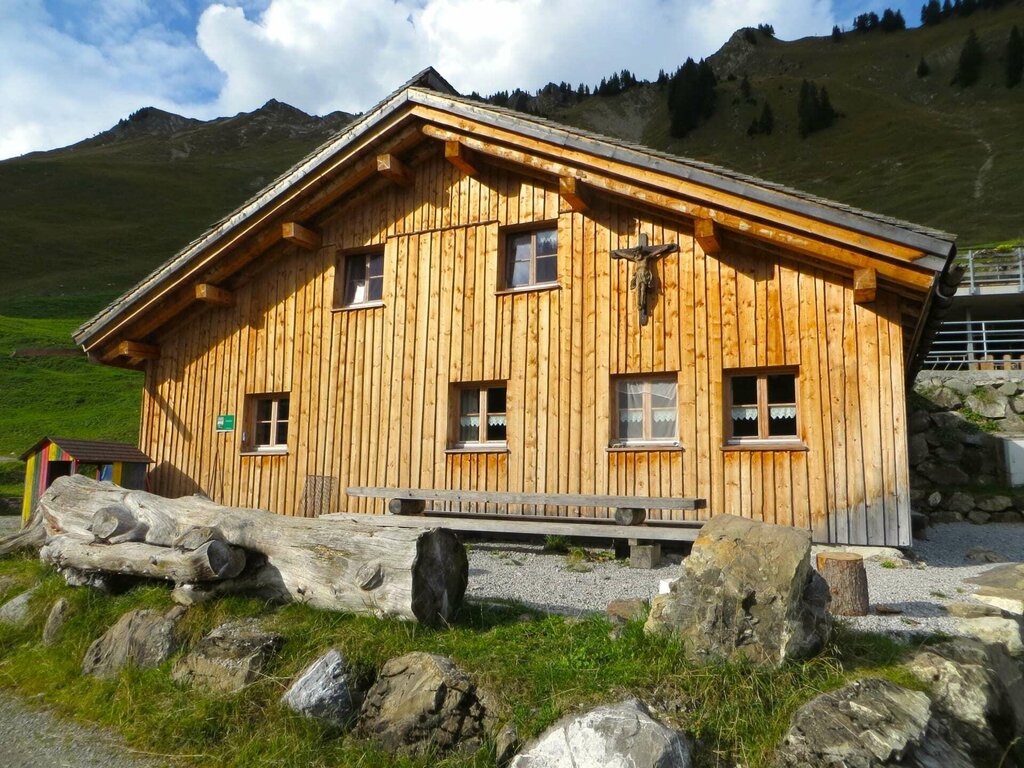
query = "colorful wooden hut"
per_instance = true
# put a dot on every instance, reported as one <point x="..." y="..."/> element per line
<point x="54" y="457"/>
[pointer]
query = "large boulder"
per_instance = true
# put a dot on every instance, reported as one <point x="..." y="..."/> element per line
<point x="747" y="591"/>
<point x="423" y="702"/>
<point x="869" y="724"/>
<point x="145" y="638"/>
<point x="228" y="659"/>
<point x="620" y="735"/>
<point x="1002" y="587"/>
<point x="980" y="689"/>
<point x="324" y="691"/>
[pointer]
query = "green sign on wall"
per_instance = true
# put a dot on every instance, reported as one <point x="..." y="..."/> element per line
<point x="226" y="422"/>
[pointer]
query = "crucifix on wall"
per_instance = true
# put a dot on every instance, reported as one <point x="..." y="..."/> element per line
<point x="643" y="256"/>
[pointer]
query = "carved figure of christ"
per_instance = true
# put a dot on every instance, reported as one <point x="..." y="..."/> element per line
<point x="643" y="255"/>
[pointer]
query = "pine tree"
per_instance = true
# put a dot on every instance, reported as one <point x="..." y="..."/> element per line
<point x="837" y="34"/>
<point x="691" y="96"/>
<point x="1014" y="57"/>
<point x="947" y="9"/>
<point x="931" y="13"/>
<point x="807" y="109"/>
<point x="968" y="67"/>
<point x="923" y="70"/>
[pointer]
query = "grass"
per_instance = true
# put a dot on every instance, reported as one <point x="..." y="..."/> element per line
<point x="12" y="478"/>
<point x="538" y="669"/>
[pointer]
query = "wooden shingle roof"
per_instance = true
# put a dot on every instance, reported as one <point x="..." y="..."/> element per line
<point x="93" y="451"/>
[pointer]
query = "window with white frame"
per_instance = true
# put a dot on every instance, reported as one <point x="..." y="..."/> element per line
<point x="762" y="406"/>
<point x="646" y="410"/>
<point x="481" y="415"/>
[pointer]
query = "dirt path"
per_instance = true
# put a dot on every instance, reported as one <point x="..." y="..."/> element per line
<point x="32" y="738"/>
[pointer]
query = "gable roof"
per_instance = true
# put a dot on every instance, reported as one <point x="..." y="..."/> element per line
<point x="93" y="451"/>
<point x="931" y="251"/>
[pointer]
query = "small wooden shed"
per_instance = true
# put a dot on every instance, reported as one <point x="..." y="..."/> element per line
<point x="54" y="457"/>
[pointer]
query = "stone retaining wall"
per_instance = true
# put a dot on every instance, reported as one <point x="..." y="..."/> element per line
<point x="957" y="423"/>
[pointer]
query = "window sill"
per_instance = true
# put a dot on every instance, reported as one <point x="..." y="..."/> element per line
<point x="354" y="307"/>
<point x="767" y="445"/>
<point x="528" y="289"/>
<point x="479" y="448"/>
<point x="651" y="446"/>
<point x="266" y="452"/>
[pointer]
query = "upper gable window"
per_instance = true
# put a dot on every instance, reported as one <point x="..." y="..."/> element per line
<point x="531" y="258"/>
<point x="363" y="281"/>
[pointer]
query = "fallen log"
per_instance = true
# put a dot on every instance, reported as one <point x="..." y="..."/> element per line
<point x="209" y="562"/>
<point x="330" y="564"/>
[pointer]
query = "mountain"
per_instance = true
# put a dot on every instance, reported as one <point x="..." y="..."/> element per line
<point x="80" y="224"/>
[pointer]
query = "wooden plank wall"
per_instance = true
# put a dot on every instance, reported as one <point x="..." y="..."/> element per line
<point x="369" y="388"/>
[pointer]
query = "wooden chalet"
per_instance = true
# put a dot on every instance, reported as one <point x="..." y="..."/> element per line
<point x="451" y="295"/>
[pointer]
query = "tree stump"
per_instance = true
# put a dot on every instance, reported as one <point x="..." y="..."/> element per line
<point x="847" y="582"/>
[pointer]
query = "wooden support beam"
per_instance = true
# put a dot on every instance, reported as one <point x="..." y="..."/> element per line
<point x="460" y="157"/>
<point x="293" y="232"/>
<point x="571" y="191"/>
<point x="390" y="167"/>
<point x="706" y="236"/>
<point x="211" y="294"/>
<point x="137" y="350"/>
<point x="865" y="285"/>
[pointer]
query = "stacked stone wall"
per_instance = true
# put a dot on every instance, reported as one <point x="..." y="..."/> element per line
<point x="958" y="422"/>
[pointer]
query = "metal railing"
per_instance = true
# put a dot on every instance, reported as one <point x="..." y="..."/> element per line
<point x="989" y="268"/>
<point x="977" y="344"/>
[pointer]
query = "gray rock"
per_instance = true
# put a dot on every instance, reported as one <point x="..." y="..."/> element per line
<point x="991" y="406"/>
<point x="55" y="621"/>
<point x="980" y="688"/>
<point x="943" y="474"/>
<point x="1007" y="388"/>
<point x="950" y="453"/>
<point x="960" y="502"/>
<point x="228" y="659"/>
<point x="994" y="504"/>
<point x="1010" y="516"/>
<point x="506" y="744"/>
<point x="747" y="591"/>
<point x="960" y="386"/>
<point x="620" y="735"/>
<point x="15" y="610"/>
<point x="978" y="517"/>
<point x="971" y="610"/>
<point x="945" y="399"/>
<point x="423" y="702"/>
<point x="145" y="638"/>
<point x="1013" y="423"/>
<point x="920" y="421"/>
<point x="934" y="499"/>
<point x="621" y="611"/>
<point x="324" y="691"/>
<point x="867" y="724"/>
<point x="1017" y="405"/>
<point x="917" y="449"/>
<point x="983" y="555"/>
<point x="1003" y="630"/>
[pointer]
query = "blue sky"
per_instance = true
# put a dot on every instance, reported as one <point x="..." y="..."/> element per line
<point x="72" y="68"/>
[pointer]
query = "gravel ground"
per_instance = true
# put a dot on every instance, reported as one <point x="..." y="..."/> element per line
<point x="918" y="588"/>
<point x="31" y="738"/>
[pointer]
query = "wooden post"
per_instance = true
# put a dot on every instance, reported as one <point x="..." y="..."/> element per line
<point x="847" y="582"/>
<point x="406" y="506"/>
<point x="630" y="516"/>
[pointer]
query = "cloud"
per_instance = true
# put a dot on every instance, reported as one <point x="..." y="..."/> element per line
<point x="72" y="72"/>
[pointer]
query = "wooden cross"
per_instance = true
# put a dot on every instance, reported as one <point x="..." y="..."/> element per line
<point x="643" y="255"/>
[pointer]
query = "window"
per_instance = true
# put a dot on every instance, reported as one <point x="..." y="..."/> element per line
<point x="481" y="415"/>
<point x="646" y="410"/>
<point x="268" y="423"/>
<point x="762" y="406"/>
<point x="364" y="279"/>
<point x="531" y="258"/>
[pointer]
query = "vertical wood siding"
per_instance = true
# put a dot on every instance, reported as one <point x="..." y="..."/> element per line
<point x="370" y="388"/>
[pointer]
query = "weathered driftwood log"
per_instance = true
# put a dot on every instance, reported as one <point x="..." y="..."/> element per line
<point x="630" y="516"/>
<point x="331" y="564"/>
<point x="847" y="582"/>
<point x="213" y="560"/>
<point x="30" y="537"/>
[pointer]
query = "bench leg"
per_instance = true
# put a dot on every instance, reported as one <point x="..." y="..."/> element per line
<point x="646" y="555"/>
<point x="621" y="549"/>
<point x="406" y="506"/>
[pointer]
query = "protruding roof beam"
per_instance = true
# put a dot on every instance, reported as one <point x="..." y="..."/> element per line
<point x="865" y="285"/>
<point x="212" y="294"/>
<point x="571" y="191"/>
<point x="390" y="167"/>
<point x="706" y="235"/>
<point x="293" y="232"/>
<point x="460" y="157"/>
<point x="137" y="350"/>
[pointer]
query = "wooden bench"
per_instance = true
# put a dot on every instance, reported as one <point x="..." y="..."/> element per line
<point x="408" y="508"/>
